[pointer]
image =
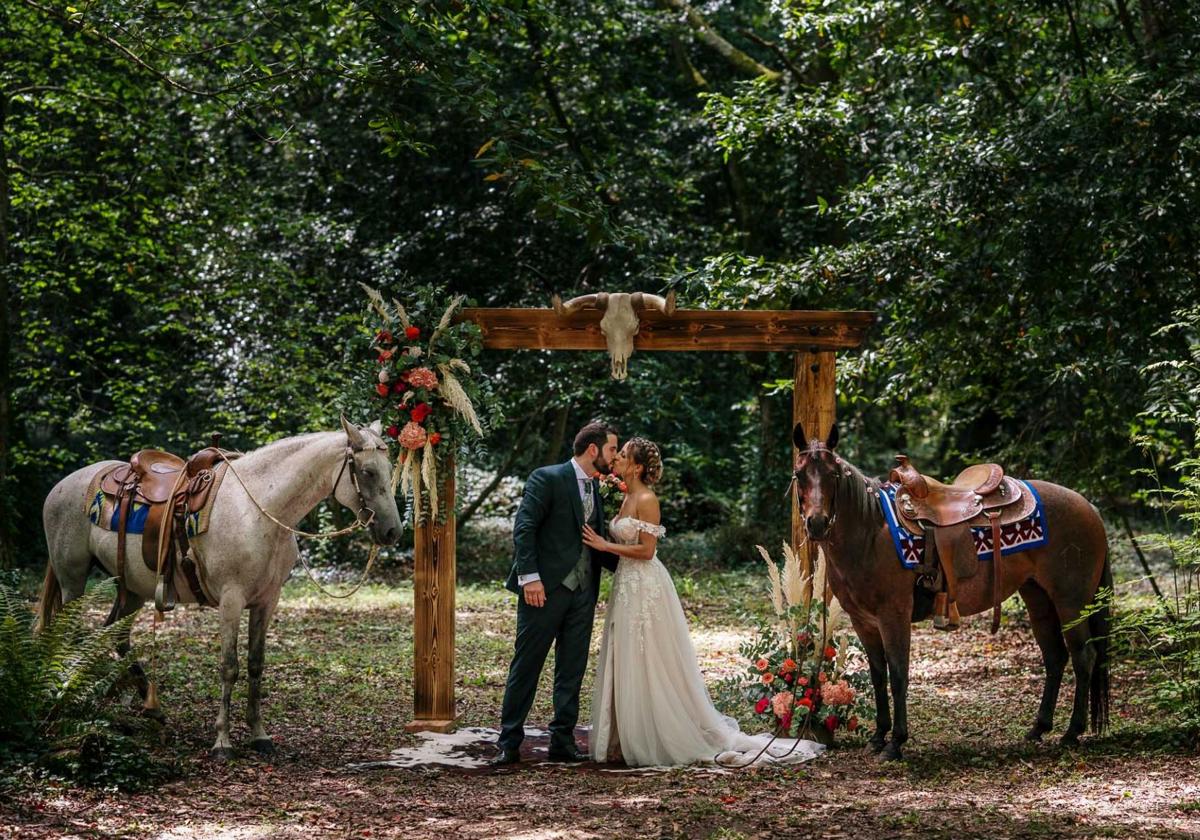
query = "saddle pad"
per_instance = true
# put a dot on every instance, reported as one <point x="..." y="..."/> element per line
<point x="1021" y="535"/>
<point x="101" y="509"/>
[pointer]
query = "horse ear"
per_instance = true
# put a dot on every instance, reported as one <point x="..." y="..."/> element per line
<point x="377" y="428"/>
<point x="352" y="433"/>
<point x="798" y="439"/>
<point x="833" y="437"/>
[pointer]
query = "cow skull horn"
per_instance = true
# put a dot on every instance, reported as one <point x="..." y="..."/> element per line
<point x="666" y="305"/>
<point x="574" y="304"/>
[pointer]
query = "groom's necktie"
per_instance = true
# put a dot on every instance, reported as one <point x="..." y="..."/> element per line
<point x="582" y="573"/>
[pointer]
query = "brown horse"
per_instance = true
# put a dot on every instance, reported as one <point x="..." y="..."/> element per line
<point x="1057" y="581"/>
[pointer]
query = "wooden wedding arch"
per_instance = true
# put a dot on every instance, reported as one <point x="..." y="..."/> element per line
<point x="813" y="337"/>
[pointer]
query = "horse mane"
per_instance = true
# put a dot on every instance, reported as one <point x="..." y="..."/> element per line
<point x="858" y="493"/>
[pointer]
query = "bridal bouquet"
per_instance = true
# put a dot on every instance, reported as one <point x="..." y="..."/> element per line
<point x="801" y="676"/>
<point x="610" y="485"/>
<point x="427" y="393"/>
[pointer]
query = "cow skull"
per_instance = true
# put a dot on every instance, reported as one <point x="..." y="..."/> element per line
<point x="620" y="322"/>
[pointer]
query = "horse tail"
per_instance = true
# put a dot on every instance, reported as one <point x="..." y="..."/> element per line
<point x="1099" y="626"/>
<point x="50" y="600"/>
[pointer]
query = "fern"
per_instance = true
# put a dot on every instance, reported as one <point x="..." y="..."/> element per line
<point x="59" y="690"/>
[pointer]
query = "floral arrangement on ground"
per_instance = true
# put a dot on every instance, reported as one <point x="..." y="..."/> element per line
<point x="427" y="392"/>
<point x="804" y="674"/>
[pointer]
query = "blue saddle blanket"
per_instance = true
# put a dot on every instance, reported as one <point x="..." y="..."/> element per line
<point x="1021" y="535"/>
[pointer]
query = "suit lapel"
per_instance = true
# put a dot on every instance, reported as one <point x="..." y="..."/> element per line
<point x="573" y="486"/>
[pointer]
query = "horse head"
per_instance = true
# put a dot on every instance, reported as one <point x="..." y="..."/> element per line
<point x="815" y="477"/>
<point x="368" y="492"/>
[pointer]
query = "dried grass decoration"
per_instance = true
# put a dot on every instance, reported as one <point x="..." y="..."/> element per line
<point x="425" y="391"/>
<point x="805" y="678"/>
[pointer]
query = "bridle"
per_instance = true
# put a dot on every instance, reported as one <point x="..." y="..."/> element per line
<point x="348" y="460"/>
<point x="815" y="447"/>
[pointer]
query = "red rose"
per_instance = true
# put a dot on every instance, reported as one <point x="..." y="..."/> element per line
<point x="786" y="722"/>
<point x="831" y="722"/>
<point x="381" y="389"/>
<point x="852" y="724"/>
<point x="830" y="652"/>
<point x="808" y="692"/>
<point x="788" y="677"/>
<point x="421" y="411"/>
<point x="805" y="702"/>
<point x="384" y="355"/>
<point x="803" y="638"/>
<point x="435" y="438"/>
<point x="383" y="337"/>
<point x="393" y="431"/>
<point x="399" y="387"/>
<point x="412" y="333"/>
<point x="761" y="705"/>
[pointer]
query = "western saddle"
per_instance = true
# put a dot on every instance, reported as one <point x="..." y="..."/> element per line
<point x="175" y="491"/>
<point x="980" y="496"/>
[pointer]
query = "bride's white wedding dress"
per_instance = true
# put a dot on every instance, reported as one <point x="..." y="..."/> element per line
<point x="650" y="705"/>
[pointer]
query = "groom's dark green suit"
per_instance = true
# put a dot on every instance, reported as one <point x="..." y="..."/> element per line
<point x="548" y="541"/>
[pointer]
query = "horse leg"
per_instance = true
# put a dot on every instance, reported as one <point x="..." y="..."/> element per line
<point x="897" y="641"/>
<point x="1083" y="660"/>
<point x="260" y="619"/>
<point x="1048" y="632"/>
<point x="873" y="645"/>
<point x="230" y="608"/>
<point x="133" y="603"/>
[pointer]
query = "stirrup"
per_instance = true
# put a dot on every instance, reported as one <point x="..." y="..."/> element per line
<point x="945" y="613"/>
<point x="164" y="596"/>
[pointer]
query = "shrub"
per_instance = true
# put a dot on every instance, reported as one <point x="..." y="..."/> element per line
<point x="60" y="691"/>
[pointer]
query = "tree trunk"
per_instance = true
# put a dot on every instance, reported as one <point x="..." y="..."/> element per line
<point x="6" y="552"/>
<point x="557" y="434"/>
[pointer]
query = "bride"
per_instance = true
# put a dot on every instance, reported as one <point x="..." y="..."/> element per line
<point x="650" y="706"/>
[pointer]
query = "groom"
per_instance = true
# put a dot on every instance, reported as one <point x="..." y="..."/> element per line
<point x="558" y="580"/>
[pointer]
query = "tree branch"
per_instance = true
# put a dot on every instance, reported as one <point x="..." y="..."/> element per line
<point x="710" y="38"/>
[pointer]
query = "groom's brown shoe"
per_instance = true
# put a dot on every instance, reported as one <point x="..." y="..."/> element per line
<point x="570" y="755"/>
<point x="505" y="758"/>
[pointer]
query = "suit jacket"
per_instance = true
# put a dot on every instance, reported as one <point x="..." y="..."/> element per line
<point x="548" y="532"/>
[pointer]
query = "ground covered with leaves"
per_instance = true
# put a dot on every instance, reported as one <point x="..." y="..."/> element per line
<point x="340" y="691"/>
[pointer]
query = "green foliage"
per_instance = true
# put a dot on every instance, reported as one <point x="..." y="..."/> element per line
<point x="61" y="690"/>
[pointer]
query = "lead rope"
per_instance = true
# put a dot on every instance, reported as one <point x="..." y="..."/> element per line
<point x="358" y="523"/>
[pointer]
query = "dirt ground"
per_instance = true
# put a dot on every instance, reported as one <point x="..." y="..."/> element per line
<point x="340" y="692"/>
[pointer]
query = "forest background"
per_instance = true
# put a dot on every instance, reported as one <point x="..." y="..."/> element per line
<point x="190" y="194"/>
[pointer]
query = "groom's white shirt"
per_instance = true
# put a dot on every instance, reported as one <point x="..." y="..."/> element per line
<point x="583" y="482"/>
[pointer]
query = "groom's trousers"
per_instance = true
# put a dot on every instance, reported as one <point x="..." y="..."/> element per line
<point x="566" y="622"/>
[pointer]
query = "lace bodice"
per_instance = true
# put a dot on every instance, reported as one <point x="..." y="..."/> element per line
<point x="625" y="529"/>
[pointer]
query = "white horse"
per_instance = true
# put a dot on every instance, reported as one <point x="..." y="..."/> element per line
<point x="246" y="557"/>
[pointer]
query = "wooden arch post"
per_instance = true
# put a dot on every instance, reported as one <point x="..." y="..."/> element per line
<point x="812" y="336"/>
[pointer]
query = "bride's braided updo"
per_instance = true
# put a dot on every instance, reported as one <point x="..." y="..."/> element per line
<point x="645" y="452"/>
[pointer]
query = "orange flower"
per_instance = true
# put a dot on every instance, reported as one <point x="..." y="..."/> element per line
<point x="789" y="665"/>
<point x="768" y="678"/>
<point x="830" y="652"/>
<point x="822" y="678"/>
<point x="762" y="664"/>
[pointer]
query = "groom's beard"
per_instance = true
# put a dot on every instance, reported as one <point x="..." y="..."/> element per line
<point x="601" y="466"/>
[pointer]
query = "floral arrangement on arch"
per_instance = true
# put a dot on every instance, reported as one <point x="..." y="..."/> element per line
<point x="801" y="682"/>
<point x="427" y="392"/>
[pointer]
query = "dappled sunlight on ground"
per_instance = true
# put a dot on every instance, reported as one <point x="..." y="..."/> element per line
<point x="339" y="692"/>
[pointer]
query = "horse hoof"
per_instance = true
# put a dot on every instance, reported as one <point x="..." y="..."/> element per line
<point x="1069" y="740"/>
<point x="156" y="715"/>
<point x="263" y="746"/>
<point x="876" y="746"/>
<point x="1034" y="735"/>
<point x="221" y="754"/>
<point x="891" y="753"/>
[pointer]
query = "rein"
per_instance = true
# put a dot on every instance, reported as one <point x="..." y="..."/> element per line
<point x="358" y="520"/>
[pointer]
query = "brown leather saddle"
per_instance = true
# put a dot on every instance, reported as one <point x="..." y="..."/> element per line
<point x="175" y="491"/>
<point x="980" y="496"/>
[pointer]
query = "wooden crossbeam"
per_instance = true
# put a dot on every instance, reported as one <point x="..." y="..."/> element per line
<point x="686" y="329"/>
